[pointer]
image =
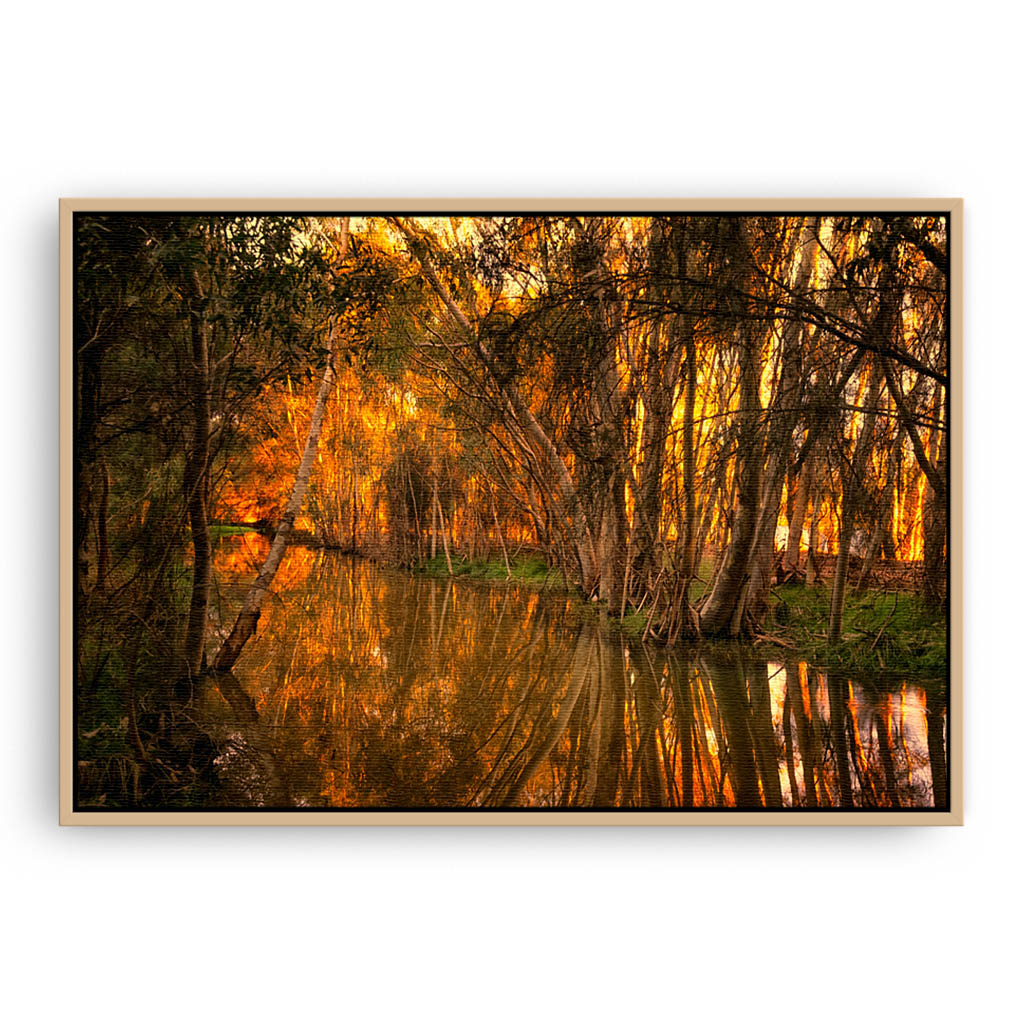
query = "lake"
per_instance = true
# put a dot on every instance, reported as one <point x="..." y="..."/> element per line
<point x="368" y="686"/>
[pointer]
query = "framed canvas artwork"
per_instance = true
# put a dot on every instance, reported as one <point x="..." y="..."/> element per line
<point x="511" y="511"/>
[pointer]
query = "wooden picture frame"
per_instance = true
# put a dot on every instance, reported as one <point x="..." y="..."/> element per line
<point x="76" y="813"/>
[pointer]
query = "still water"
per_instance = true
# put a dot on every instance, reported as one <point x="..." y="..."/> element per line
<point x="372" y="687"/>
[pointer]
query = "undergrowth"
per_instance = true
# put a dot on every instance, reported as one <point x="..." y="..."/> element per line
<point x="531" y="570"/>
<point x="889" y="630"/>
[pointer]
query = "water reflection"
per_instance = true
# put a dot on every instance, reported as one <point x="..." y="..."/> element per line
<point x="368" y="687"/>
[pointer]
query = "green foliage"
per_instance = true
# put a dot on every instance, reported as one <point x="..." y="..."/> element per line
<point x="130" y="750"/>
<point x="218" y="530"/>
<point x="633" y="623"/>
<point x="554" y="304"/>
<point x="881" y="630"/>
<point x="531" y="570"/>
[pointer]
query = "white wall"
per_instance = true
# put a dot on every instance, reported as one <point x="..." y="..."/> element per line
<point x="872" y="99"/>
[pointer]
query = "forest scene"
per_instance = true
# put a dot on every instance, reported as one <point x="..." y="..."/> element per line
<point x="574" y="511"/>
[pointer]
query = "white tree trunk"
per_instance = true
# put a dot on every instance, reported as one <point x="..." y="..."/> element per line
<point x="245" y="624"/>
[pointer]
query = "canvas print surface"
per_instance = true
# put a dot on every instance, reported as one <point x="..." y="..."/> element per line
<point x="554" y="511"/>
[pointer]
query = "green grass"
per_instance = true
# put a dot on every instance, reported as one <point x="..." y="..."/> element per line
<point x="881" y="630"/>
<point x="530" y="570"/>
<point x="632" y="624"/>
<point x="218" y="530"/>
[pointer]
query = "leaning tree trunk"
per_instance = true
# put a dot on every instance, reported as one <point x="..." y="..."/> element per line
<point x="571" y="507"/>
<point x="245" y="624"/>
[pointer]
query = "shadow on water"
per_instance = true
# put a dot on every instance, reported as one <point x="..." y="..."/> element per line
<point x="369" y="687"/>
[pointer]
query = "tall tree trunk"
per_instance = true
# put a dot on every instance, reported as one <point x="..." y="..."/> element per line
<point x="881" y="516"/>
<point x="444" y="536"/>
<point x="501" y="538"/>
<point x="672" y="259"/>
<point x="934" y="522"/>
<point x="797" y="517"/>
<point x="102" y="545"/>
<point x="814" y="500"/>
<point x="433" y="523"/>
<point x="835" y="611"/>
<point x="691" y="556"/>
<point x="782" y="422"/>
<point x="608" y="409"/>
<point x="196" y="480"/>
<point x="687" y="262"/>
<point x="886" y="326"/>
<point x="245" y="624"/>
<point x="657" y="401"/>
<point x="574" y="513"/>
<point x="718" y="615"/>
<point x="853" y="499"/>
<point x="612" y="546"/>
<point x="741" y="586"/>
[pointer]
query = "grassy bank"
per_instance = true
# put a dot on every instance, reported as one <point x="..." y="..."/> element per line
<point x="887" y="630"/>
<point x="218" y="530"/>
<point x="530" y="571"/>
<point x="891" y="631"/>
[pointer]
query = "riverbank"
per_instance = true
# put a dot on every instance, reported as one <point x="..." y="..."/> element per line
<point x="530" y="570"/>
<point x="141" y="743"/>
<point x="886" y="628"/>
<point x="890" y="630"/>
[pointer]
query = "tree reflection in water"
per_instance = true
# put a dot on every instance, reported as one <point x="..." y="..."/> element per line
<point x="369" y="687"/>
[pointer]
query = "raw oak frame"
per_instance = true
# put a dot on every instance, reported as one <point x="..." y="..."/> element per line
<point x="955" y="714"/>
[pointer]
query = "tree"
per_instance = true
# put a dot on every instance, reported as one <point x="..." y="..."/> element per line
<point x="245" y="624"/>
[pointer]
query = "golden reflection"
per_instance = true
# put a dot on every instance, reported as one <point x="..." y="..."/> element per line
<point x="375" y="687"/>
